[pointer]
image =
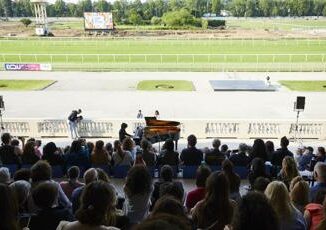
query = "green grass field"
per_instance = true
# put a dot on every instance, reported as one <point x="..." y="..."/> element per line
<point x="18" y="85"/>
<point x="165" y="85"/>
<point x="168" y="55"/>
<point x="311" y="86"/>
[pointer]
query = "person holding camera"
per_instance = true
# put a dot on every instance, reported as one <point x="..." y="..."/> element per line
<point x="73" y="120"/>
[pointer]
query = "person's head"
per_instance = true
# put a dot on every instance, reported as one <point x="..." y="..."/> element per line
<point x="139" y="111"/>
<point x="99" y="145"/>
<point x="217" y="187"/>
<point x="157" y="112"/>
<point x="76" y="146"/>
<point x="138" y="181"/>
<point x="117" y="145"/>
<point x="4" y="175"/>
<point x="164" y="221"/>
<point x="299" y="191"/>
<point x="145" y="145"/>
<point x="73" y="173"/>
<point x="49" y="148"/>
<point x="29" y="148"/>
<point x="284" y="142"/>
<point x="21" y="190"/>
<point x="8" y="209"/>
<point x="97" y="200"/>
<point x="309" y="149"/>
<point x="23" y="174"/>
<point x="169" y="205"/>
<point x="6" y="138"/>
<point x="279" y="198"/>
<point x="289" y="167"/>
<point x="166" y="173"/>
<point x="227" y="166"/>
<point x="14" y="142"/>
<point x="192" y="140"/>
<point x="109" y="147"/>
<point x="255" y="212"/>
<point x="224" y="148"/>
<point x="128" y="144"/>
<point x="258" y="166"/>
<point x="242" y="148"/>
<point x="90" y="146"/>
<point x="79" y="111"/>
<point x="41" y="171"/>
<point x="102" y="175"/>
<point x="320" y="172"/>
<point x="320" y="196"/>
<point x="321" y="151"/>
<point x="258" y="148"/>
<point x="45" y="194"/>
<point x="202" y="174"/>
<point x="90" y="175"/>
<point x="172" y="190"/>
<point x="38" y="143"/>
<point x="216" y="143"/>
<point x="124" y="126"/>
<point x="260" y="184"/>
<point x="269" y="146"/>
<point x="169" y="145"/>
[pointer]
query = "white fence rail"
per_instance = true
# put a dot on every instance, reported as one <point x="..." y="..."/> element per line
<point x="242" y="129"/>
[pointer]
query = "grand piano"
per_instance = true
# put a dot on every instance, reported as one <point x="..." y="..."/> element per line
<point x="160" y="130"/>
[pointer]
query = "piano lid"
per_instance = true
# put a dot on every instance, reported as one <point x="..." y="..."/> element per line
<point x="152" y="121"/>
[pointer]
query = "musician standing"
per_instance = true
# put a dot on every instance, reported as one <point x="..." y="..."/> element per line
<point x="73" y="119"/>
<point x="140" y="115"/>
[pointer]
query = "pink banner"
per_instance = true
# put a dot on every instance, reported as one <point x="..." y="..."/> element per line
<point x="27" y="67"/>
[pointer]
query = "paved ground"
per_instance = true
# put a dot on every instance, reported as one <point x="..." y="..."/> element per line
<point x="113" y="95"/>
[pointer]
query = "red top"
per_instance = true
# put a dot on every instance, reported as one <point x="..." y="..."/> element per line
<point x="194" y="196"/>
<point x="316" y="213"/>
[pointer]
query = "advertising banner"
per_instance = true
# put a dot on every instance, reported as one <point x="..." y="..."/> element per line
<point x="98" y="21"/>
<point x="27" y="67"/>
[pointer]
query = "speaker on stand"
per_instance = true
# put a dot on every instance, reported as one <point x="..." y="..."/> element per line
<point x="299" y="106"/>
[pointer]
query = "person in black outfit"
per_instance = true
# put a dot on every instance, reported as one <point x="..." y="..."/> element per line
<point x="240" y="159"/>
<point x="123" y="133"/>
<point x="168" y="156"/>
<point x="214" y="156"/>
<point x="29" y="156"/>
<point x="257" y="170"/>
<point x="48" y="217"/>
<point x="52" y="154"/>
<point x="259" y="150"/>
<point x="279" y="154"/>
<point x="7" y="151"/>
<point x="191" y="155"/>
<point x="73" y="119"/>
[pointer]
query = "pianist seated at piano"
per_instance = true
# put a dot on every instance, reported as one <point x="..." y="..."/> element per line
<point x="123" y="133"/>
<point x="191" y="155"/>
<point x="168" y="156"/>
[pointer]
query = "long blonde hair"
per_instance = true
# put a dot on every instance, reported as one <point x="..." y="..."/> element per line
<point x="279" y="198"/>
<point x="289" y="168"/>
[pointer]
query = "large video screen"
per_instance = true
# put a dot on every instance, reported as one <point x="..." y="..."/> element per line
<point x="98" y="21"/>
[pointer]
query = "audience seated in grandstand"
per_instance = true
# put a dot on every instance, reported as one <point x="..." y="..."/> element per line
<point x="139" y="160"/>
<point x="4" y="175"/>
<point x="255" y="212"/>
<point x="288" y="216"/>
<point x="21" y="190"/>
<point x="258" y="150"/>
<point x="289" y="171"/>
<point x="215" y="211"/>
<point x="120" y="156"/>
<point x="279" y="154"/>
<point x="257" y="170"/>
<point x="173" y="190"/>
<point x="321" y="154"/>
<point x="48" y="214"/>
<point x="198" y="193"/>
<point x="214" y="156"/>
<point x="168" y="156"/>
<point x="97" y="206"/>
<point x="260" y="184"/>
<point x="304" y="163"/>
<point x="269" y="150"/>
<point x="320" y="177"/>
<point x="314" y="211"/>
<point x="148" y="155"/>
<point x="99" y="155"/>
<point x="52" y="154"/>
<point x="129" y="145"/>
<point x="29" y="156"/>
<point x="240" y="158"/>
<point x="166" y="178"/>
<point x="69" y="186"/>
<point x="299" y="193"/>
<point x="89" y="176"/>
<point x="234" y="179"/>
<point x="23" y="174"/>
<point x="8" y="209"/>
<point x="41" y="172"/>
<point x="138" y="190"/>
<point x="191" y="155"/>
<point x="78" y="154"/>
<point x="164" y="222"/>
<point x="7" y="151"/>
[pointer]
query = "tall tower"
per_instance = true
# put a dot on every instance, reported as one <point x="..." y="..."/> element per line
<point x="41" y="19"/>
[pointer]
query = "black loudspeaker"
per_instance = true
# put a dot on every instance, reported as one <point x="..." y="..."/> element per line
<point x="301" y="101"/>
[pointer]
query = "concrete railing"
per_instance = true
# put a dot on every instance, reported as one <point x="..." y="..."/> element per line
<point x="202" y="128"/>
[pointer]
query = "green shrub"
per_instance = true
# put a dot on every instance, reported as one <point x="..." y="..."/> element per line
<point x="178" y="18"/>
<point x="156" y="20"/>
<point x="204" y="24"/>
<point x="26" y="21"/>
<point x="216" y="23"/>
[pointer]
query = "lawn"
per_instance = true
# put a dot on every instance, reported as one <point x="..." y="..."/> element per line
<point x="17" y="85"/>
<point x="165" y="85"/>
<point x="312" y="86"/>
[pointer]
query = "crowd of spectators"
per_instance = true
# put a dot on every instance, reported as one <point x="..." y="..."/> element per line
<point x="279" y="195"/>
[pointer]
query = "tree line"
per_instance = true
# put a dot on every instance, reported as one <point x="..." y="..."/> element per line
<point x="137" y="12"/>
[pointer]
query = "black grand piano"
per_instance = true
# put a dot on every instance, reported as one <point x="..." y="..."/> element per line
<point x="160" y="130"/>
